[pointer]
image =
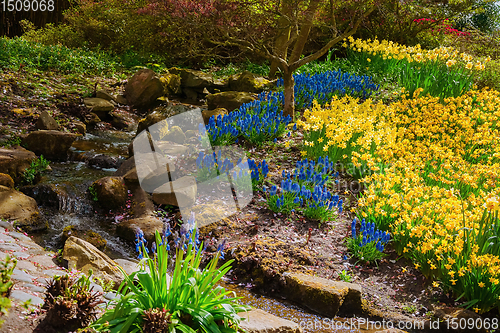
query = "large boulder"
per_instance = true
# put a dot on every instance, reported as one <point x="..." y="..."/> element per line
<point x="230" y="100"/>
<point x="18" y="207"/>
<point x="143" y="89"/>
<point x="323" y="296"/>
<point x="181" y="192"/>
<point x="53" y="145"/>
<point x="111" y="192"/>
<point x="148" y="224"/>
<point x="87" y="235"/>
<point x="259" y="321"/>
<point x="174" y="134"/>
<point x="15" y="161"/>
<point x="191" y="78"/>
<point x="102" y="161"/>
<point x="84" y="256"/>
<point x="248" y="82"/>
<point x="101" y="107"/>
<point x="46" y="122"/>
<point x="171" y="84"/>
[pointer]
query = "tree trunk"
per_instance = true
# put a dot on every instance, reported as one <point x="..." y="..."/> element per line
<point x="280" y="45"/>
<point x="289" y="84"/>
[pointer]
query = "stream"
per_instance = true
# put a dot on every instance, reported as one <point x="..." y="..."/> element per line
<point x="76" y="208"/>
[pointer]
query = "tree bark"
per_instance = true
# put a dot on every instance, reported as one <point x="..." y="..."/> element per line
<point x="289" y="85"/>
<point x="284" y="35"/>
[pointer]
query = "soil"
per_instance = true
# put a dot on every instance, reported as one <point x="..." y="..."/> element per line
<point x="263" y="244"/>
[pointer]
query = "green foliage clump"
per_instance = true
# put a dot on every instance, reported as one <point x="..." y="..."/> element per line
<point x="15" y="52"/>
<point x="6" y="268"/>
<point x="70" y="302"/>
<point x="93" y="193"/>
<point x="13" y="141"/>
<point x="37" y="166"/>
<point x="188" y="302"/>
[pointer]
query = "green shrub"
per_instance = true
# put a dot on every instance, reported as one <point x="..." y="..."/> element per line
<point x="6" y="268"/>
<point x="53" y="34"/>
<point x="190" y="301"/>
<point x="489" y="77"/>
<point x="70" y="302"/>
<point x="37" y="166"/>
<point x="17" y="51"/>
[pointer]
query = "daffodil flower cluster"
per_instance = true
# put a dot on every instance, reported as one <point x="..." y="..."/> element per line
<point x="442" y="72"/>
<point x="437" y="189"/>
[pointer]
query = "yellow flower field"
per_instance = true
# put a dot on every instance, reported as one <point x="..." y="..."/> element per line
<point x="432" y="171"/>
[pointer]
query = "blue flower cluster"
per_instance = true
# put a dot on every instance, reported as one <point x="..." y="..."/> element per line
<point x="140" y="243"/>
<point x="323" y="86"/>
<point x="258" y="171"/>
<point x="257" y="121"/>
<point x="306" y="188"/>
<point x="185" y="236"/>
<point x="308" y="171"/>
<point x="370" y="234"/>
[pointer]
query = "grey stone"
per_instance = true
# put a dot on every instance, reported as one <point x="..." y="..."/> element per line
<point x="128" y="266"/>
<point x="111" y="295"/>
<point x="10" y="247"/>
<point x="96" y="287"/>
<point x="54" y="272"/>
<point x="36" y="289"/>
<point x="6" y="239"/>
<point x="20" y="275"/>
<point x="44" y="260"/>
<point x="25" y="264"/>
<point x="23" y="297"/>
<point x="99" y="106"/>
<point x="20" y="236"/>
<point x="7" y="225"/>
<point x="21" y="255"/>
<point x="259" y="321"/>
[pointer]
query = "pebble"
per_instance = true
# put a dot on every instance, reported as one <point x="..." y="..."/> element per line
<point x="21" y="255"/>
<point x="111" y="295"/>
<point x="23" y="297"/>
<point x="6" y="238"/>
<point x="36" y="289"/>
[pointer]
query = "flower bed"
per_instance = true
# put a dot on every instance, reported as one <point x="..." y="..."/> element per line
<point x="431" y="169"/>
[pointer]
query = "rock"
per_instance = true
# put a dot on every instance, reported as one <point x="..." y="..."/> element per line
<point x="259" y="321"/>
<point x="111" y="192"/>
<point x="14" y="205"/>
<point x="121" y="99"/>
<point x="103" y="95"/>
<point x="53" y="145"/>
<point x="248" y="82"/>
<point x="323" y="296"/>
<point x="128" y="266"/>
<point x="123" y="120"/>
<point x="80" y="127"/>
<point x="102" y="161"/>
<point x="84" y="256"/>
<point x="15" y="161"/>
<point x="148" y="224"/>
<point x="46" y="122"/>
<point x="24" y="297"/>
<point x="458" y="315"/>
<point x="229" y="100"/>
<point x="149" y="120"/>
<point x="171" y="84"/>
<point x="6" y="180"/>
<point x="181" y="192"/>
<point x="191" y="78"/>
<point x="215" y="112"/>
<point x="99" y="106"/>
<point x="143" y="89"/>
<point x="92" y="119"/>
<point x="49" y="195"/>
<point x="191" y="94"/>
<point x="89" y="236"/>
<point x="125" y="167"/>
<point x="174" y="134"/>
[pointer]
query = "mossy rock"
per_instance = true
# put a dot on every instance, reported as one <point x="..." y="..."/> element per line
<point x="90" y="236"/>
